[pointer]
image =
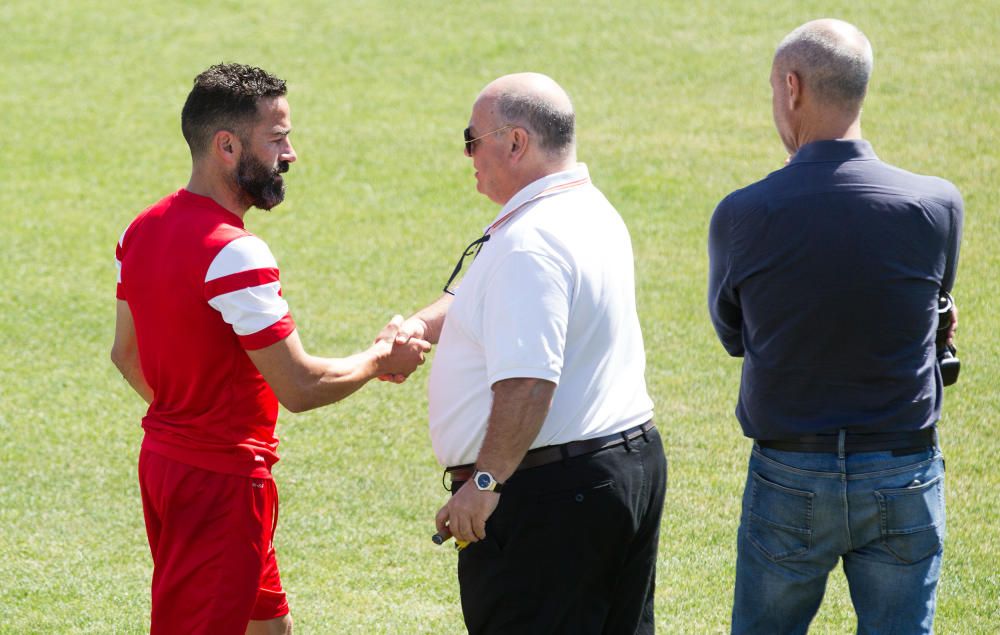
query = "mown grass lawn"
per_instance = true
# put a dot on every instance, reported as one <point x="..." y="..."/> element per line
<point x="673" y="112"/>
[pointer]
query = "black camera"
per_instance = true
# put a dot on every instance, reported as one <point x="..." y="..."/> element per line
<point x="947" y="360"/>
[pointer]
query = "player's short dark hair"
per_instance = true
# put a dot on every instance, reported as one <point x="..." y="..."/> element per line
<point x="225" y="97"/>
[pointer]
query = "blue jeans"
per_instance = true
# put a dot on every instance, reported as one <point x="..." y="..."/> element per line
<point x="883" y="514"/>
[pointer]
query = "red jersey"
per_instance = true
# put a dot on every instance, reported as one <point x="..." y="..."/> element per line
<point x="202" y="290"/>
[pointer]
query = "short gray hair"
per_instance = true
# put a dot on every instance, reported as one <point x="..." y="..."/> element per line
<point x="836" y="70"/>
<point x="554" y="127"/>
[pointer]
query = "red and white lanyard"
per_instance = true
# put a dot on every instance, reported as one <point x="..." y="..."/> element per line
<point x="554" y="189"/>
<point x="476" y="245"/>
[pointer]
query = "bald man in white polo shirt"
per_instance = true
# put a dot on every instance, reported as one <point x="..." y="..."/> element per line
<point x="538" y="403"/>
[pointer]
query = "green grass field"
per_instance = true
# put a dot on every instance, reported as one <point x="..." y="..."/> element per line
<point x="673" y="110"/>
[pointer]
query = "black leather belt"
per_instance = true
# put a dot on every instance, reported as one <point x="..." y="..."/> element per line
<point x="899" y="442"/>
<point x="553" y="453"/>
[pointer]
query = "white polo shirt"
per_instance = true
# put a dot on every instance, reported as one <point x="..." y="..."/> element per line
<point x="551" y="295"/>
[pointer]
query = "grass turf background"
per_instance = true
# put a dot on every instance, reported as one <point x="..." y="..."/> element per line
<point x="673" y="110"/>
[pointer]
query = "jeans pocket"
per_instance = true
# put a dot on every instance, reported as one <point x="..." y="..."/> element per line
<point x="779" y="522"/>
<point x="912" y="519"/>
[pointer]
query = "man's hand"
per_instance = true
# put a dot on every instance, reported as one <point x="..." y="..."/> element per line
<point x="954" y="325"/>
<point x="398" y="360"/>
<point x="465" y="514"/>
<point x="400" y="332"/>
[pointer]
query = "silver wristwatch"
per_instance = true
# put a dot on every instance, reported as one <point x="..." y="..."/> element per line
<point x="485" y="482"/>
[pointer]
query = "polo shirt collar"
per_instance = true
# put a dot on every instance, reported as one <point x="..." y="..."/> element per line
<point x="834" y="150"/>
<point x="537" y="187"/>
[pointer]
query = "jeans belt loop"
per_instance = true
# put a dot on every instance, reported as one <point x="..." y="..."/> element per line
<point x="842" y="443"/>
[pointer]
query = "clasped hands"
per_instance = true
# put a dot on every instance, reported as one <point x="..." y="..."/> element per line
<point x="404" y="348"/>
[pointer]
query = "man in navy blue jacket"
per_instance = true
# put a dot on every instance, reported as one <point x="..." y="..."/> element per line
<point x="824" y="277"/>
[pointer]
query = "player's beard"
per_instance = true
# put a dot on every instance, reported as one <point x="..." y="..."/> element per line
<point x="263" y="186"/>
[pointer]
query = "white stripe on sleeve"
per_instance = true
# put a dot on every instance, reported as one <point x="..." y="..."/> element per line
<point x="121" y="245"/>
<point x="252" y="309"/>
<point x="243" y="254"/>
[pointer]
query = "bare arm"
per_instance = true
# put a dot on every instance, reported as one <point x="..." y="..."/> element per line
<point x="954" y="326"/>
<point x="425" y="324"/>
<point x="125" y="352"/>
<point x="432" y="317"/>
<point x="516" y="416"/>
<point x="519" y="408"/>
<point x="303" y="382"/>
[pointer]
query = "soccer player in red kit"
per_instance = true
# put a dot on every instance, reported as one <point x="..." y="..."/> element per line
<point x="205" y="337"/>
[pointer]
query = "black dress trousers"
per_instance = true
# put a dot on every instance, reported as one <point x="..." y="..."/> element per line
<point x="571" y="547"/>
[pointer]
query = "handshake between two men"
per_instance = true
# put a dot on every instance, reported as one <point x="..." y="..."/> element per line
<point x="416" y="333"/>
<point x="399" y="347"/>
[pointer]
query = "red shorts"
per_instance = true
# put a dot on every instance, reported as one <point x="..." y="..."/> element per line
<point x="214" y="568"/>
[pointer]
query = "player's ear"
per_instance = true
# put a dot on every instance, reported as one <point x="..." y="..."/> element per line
<point x="226" y="146"/>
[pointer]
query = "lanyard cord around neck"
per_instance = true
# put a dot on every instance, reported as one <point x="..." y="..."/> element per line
<point x="476" y="246"/>
<point x="549" y="191"/>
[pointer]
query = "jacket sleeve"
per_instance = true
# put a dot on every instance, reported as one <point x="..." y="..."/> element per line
<point x="723" y="297"/>
<point x="954" y="242"/>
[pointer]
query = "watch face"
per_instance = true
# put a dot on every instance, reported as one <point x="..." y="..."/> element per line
<point x="483" y="481"/>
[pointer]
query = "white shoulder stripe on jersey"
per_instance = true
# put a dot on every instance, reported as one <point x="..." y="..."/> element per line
<point x="243" y="254"/>
<point x="121" y="243"/>
<point x="252" y="309"/>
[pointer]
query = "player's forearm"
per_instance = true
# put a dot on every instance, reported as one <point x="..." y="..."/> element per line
<point x="519" y="409"/>
<point x="328" y="380"/>
<point x="132" y="372"/>
<point x="125" y="351"/>
<point x="138" y="383"/>
<point x="303" y="382"/>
